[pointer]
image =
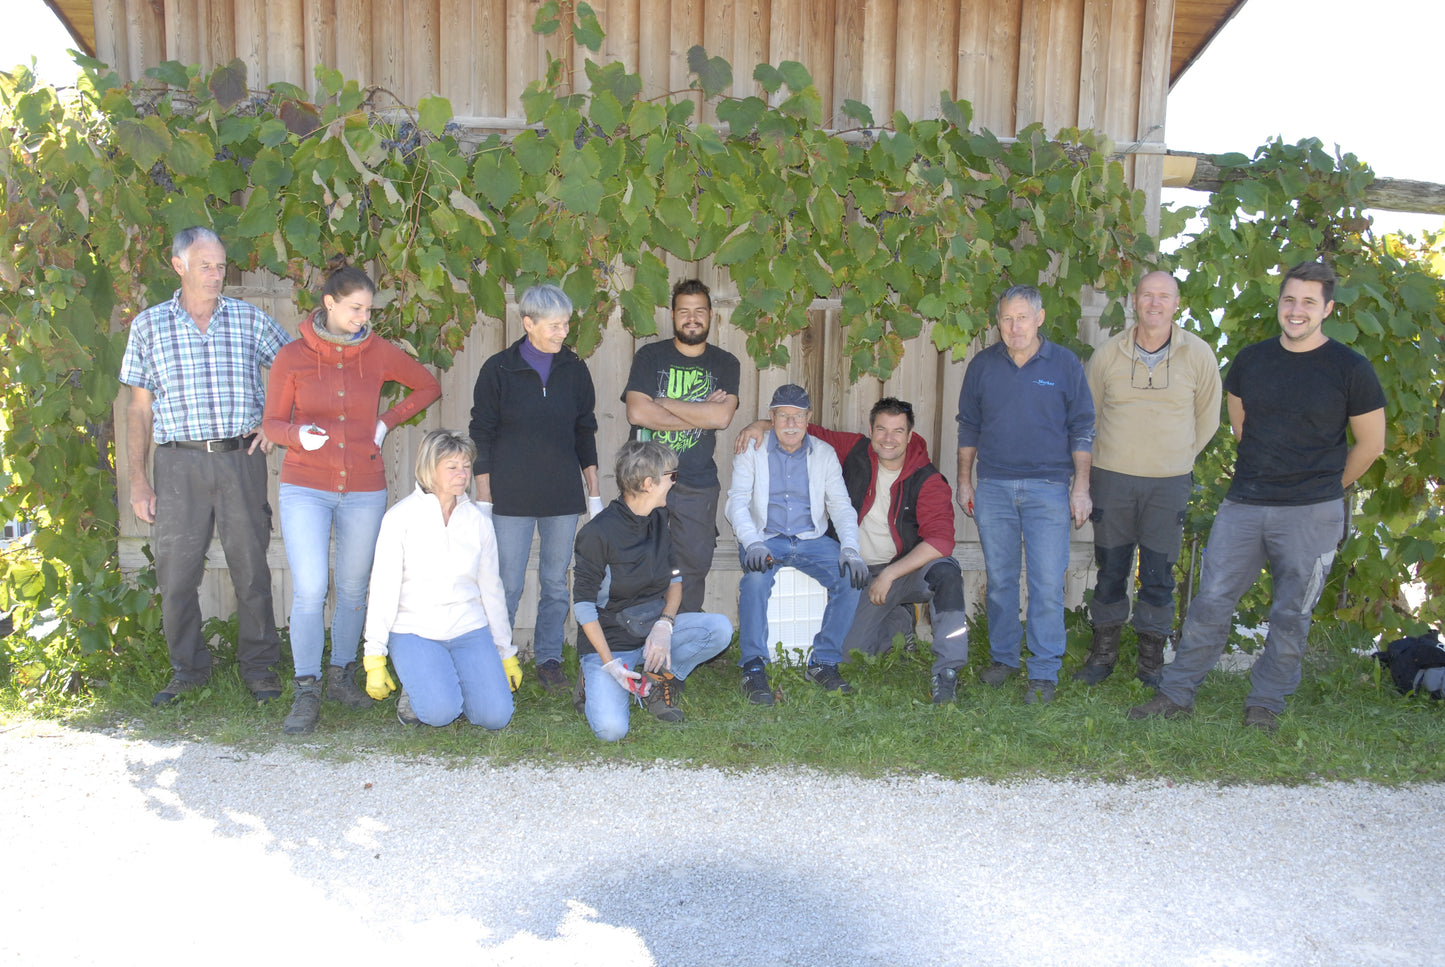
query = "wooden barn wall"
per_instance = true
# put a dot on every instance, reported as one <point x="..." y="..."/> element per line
<point x="1087" y="63"/>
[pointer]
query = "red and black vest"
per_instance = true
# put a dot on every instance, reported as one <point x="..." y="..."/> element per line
<point x="902" y="512"/>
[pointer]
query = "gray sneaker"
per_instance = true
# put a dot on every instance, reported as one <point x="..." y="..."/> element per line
<point x="305" y="707"/>
<point x="756" y="687"/>
<point x="997" y="673"/>
<point x="341" y="687"/>
<point x="404" y="714"/>
<point x="945" y="686"/>
<point x="828" y="678"/>
<point x="1038" y="691"/>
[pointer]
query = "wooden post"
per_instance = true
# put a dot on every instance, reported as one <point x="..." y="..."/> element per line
<point x="319" y="39"/>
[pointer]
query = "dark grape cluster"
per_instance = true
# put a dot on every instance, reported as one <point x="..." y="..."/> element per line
<point x="407" y="140"/>
<point x="162" y="178"/>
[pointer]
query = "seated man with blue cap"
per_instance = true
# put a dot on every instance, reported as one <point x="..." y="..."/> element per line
<point x="782" y="497"/>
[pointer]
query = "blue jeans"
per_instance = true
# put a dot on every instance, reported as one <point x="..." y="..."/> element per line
<point x="1298" y="544"/>
<point x="817" y="558"/>
<point x="308" y="517"/>
<point x="461" y="676"/>
<point x="696" y="637"/>
<point x="514" y="546"/>
<point x="1036" y="512"/>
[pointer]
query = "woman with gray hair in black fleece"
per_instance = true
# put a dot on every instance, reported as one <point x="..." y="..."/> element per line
<point x="535" y="431"/>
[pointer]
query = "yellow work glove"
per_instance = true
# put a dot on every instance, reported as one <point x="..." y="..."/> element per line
<point x="514" y="672"/>
<point x="379" y="683"/>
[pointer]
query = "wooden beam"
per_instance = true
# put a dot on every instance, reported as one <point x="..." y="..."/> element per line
<point x="1201" y="172"/>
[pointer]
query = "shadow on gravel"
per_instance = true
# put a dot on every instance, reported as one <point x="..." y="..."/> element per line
<point x="508" y="866"/>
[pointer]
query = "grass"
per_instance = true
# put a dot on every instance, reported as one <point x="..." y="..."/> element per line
<point x="1344" y="723"/>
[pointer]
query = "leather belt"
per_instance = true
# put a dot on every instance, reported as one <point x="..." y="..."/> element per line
<point x="225" y="445"/>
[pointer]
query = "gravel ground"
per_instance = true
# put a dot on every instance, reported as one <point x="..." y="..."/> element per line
<point x="122" y="851"/>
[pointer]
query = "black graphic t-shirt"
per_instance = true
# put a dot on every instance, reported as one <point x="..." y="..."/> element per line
<point x="661" y="372"/>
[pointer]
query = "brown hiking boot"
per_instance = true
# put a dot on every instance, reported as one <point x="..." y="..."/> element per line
<point x="341" y="687"/>
<point x="552" y="678"/>
<point x="1149" y="668"/>
<point x="663" y="693"/>
<point x="1259" y="717"/>
<point x="1160" y="706"/>
<point x="1102" y="656"/>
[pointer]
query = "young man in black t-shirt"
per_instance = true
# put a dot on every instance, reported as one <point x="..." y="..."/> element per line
<point x="1290" y="402"/>
<point x="681" y="392"/>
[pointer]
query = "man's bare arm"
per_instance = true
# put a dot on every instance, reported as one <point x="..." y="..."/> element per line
<point x="1369" y="432"/>
<point x="139" y="421"/>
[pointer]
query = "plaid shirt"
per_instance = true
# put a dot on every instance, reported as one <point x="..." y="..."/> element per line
<point x="206" y="386"/>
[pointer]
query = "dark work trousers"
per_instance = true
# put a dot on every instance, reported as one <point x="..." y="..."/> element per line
<point x="940" y="585"/>
<point x="197" y="492"/>
<point x="692" y="527"/>
<point x="1142" y="512"/>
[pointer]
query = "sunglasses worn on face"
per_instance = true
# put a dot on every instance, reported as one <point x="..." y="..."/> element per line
<point x="670" y="475"/>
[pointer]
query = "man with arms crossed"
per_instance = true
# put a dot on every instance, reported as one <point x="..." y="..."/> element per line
<point x="194" y="368"/>
<point x="1290" y="401"/>
<point x="680" y="393"/>
<point x="1156" y="396"/>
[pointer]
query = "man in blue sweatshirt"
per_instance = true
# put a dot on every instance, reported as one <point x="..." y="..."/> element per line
<point x="1026" y="420"/>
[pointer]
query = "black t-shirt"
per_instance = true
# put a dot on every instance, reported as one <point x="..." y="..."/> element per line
<point x="1296" y="409"/>
<point x="661" y="372"/>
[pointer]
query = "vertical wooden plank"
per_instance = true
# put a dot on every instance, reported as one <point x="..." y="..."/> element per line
<point x="460" y="57"/>
<point x="848" y="60"/>
<point x="489" y="69"/>
<point x="319" y="39"/>
<point x="1049" y="63"/>
<point x="388" y="53"/>
<point x="251" y="40"/>
<point x="1095" y="53"/>
<point x="218" y="34"/>
<point x="990" y="39"/>
<point x="110" y="36"/>
<point x="927" y="57"/>
<point x="688" y="25"/>
<point x="145" y="35"/>
<point x="1153" y="92"/>
<point x="1066" y="25"/>
<point x="523" y="60"/>
<point x="621" y="22"/>
<point x="353" y="40"/>
<point x="654" y="46"/>
<point x="180" y="35"/>
<point x="285" y="53"/>
<point x="422" y="56"/>
<point x="803" y="30"/>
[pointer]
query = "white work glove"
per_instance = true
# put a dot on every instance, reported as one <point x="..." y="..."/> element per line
<point x="485" y="506"/>
<point x="629" y="680"/>
<point x="657" y="651"/>
<point x="594" y="506"/>
<point x="313" y="437"/>
<point x="380" y="433"/>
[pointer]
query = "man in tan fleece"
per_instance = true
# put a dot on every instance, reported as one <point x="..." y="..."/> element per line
<point x="1156" y="391"/>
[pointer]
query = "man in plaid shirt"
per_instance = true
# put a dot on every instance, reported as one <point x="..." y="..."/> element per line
<point x="194" y="367"/>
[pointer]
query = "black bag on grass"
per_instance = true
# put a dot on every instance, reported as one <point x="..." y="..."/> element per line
<point x="1416" y="664"/>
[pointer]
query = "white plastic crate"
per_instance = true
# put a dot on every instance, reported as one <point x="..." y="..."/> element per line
<point x="795" y="613"/>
